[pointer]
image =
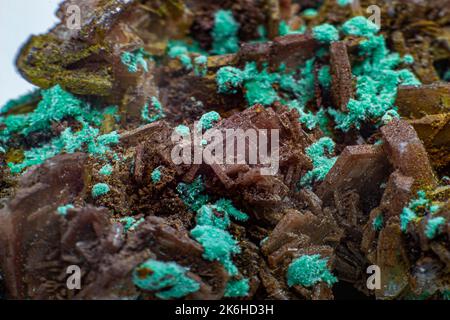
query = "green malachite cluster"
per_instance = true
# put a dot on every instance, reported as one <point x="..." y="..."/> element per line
<point x="168" y="280"/>
<point x="183" y="130"/>
<point x="152" y="112"/>
<point x="418" y="209"/>
<point x="377" y="223"/>
<point x="344" y="3"/>
<point x="225" y="33"/>
<point x="284" y="29"/>
<point x="134" y="60"/>
<point x="208" y="120"/>
<point x="225" y="40"/>
<point x="322" y="163"/>
<point x="106" y="170"/>
<point x="325" y="33"/>
<point x="156" y="175"/>
<point x="25" y="99"/>
<point x="57" y="105"/>
<point x="211" y="232"/>
<point x="376" y="75"/>
<point x="308" y="270"/>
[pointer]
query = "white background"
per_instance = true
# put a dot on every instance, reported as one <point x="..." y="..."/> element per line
<point x="18" y="20"/>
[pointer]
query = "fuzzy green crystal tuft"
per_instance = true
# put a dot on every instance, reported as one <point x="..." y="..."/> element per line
<point x="100" y="189"/>
<point x="225" y="33"/>
<point x="167" y="279"/>
<point x="309" y="270"/>
<point x="321" y="162"/>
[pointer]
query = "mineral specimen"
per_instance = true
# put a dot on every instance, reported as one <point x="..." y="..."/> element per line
<point x="250" y="149"/>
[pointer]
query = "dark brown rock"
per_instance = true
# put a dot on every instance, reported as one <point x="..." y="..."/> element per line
<point x="342" y="88"/>
<point x="407" y="154"/>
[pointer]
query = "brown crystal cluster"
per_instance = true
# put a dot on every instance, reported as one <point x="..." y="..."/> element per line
<point x="380" y="196"/>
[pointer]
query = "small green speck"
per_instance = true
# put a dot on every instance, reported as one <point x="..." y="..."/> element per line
<point x="167" y="279"/>
<point x="377" y="223"/>
<point x="106" y="170"/>
<point x="156" y="175"/>
<point x="225" y="33"/>
<point x="63" y="209"/>
<point x="321" y="162"/>
<point x="326" y="33"/>
<point x="192" y="194"/>
<point x="408" y="59"/>
<point x="310" y="13"/>
<point x="100" y="189"/>
<point x="324" y="76"/>
<point x="433" y="225"/>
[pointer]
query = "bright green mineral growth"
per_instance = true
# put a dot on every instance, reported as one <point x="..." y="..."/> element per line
<point x="446" y="294"/>
<point x="325" y="76"/>
<point x="156" y="175"/>
<point x="134" y="60"/>
<point x="156" y="113"/>
<point x="416" y="210"/>
<point x="228" y="79"/>
<point x="211" y="232"/>
<point x="377" y="78"/>
<point x="225" y="33"/>
<point x="191" y="194"/>
<point x="259" y="84"/>
<point x="46" y="61"/>
<point x="360" y="26"/>
<point x="57" y="105"/>
<point x="310" y="13"/>
<point x="201" y="66"/>
<point x="344" y="3"/>
<point x="408" y="59"/>
<point x="106" y="170"/>
<point x="321" y="162"/>
<point x="63" y="209"/>
<point x="309" y="270"/>
<point x="325" y="33"/>
<point x="219" y="246"/>
<point x="377" y="223"/>
<point x="433" y="226"/>
<point x="130" y="223"/>
<point x="207" y="217"/>
<point x="237" y="288"/>
<point x="183" y="130"/>
<point x="208" y="120"/>
<point x="100" y="189"/>
<point x="167" y="279"/>
<point x="25" y="99"/>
